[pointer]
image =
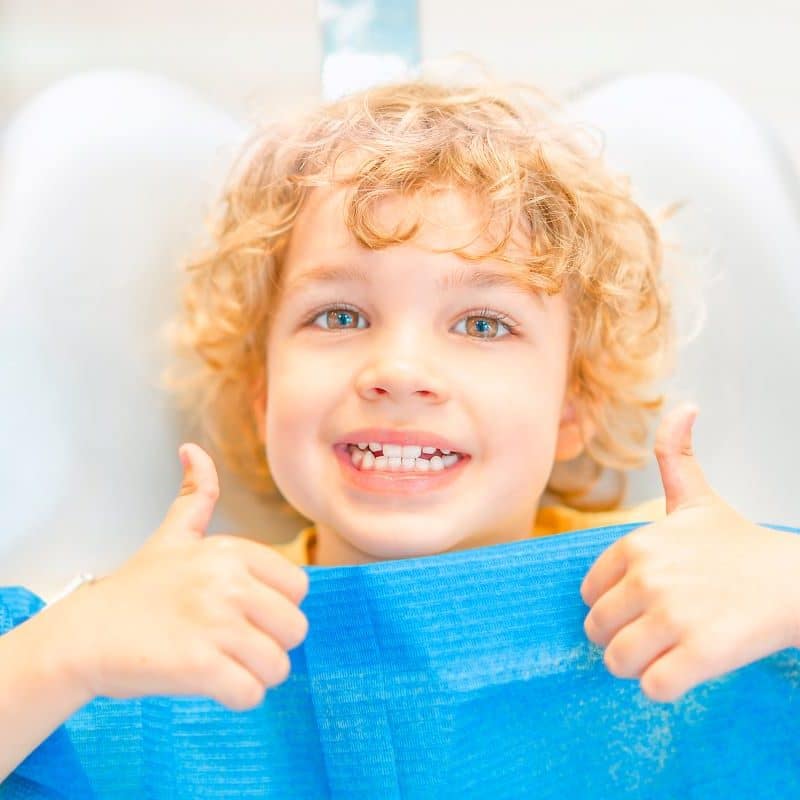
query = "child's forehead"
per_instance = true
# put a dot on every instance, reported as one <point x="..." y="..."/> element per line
<point x="444" y="218"/>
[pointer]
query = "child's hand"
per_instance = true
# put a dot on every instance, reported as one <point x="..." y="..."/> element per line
<point x="698" y="594"/>
<point x="188" y="614"/>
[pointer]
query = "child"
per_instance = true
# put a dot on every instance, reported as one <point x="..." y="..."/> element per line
<point x="425" y="306"/>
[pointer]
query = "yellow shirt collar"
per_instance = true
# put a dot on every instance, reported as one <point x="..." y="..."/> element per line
<point x="549" y="520"/>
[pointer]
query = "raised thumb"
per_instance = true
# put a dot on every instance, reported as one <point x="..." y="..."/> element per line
<point x="683" y="479"/>
<point x="192" y="508"/>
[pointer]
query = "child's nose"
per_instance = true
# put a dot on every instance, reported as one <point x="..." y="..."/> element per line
<point x="401" y="382"/>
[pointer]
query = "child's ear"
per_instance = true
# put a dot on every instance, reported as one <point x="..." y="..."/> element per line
<point x="571" y="442"/>
<point x="259" y="408"/>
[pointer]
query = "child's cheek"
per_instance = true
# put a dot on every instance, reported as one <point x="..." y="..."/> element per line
<point x="292" y="431"/>
<point x="524" y="436"/>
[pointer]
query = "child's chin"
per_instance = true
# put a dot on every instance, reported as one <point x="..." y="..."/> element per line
<point x="398" y="541"/>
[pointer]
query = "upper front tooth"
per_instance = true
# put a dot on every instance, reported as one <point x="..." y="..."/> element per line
<point x="402" y="450"/>
<point x="374" y="446"/>
<point x="411" y="451"/>
<point x="429" y="450"/>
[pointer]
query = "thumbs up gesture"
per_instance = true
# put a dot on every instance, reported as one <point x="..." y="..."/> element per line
<point x="187" y="614"/>
<point x="696" y="594"/>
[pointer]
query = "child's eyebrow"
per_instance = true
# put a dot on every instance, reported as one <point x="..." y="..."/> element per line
<point x="459" y="278"/>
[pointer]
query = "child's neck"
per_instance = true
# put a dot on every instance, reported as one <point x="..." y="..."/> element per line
<point x="329" y="549"/>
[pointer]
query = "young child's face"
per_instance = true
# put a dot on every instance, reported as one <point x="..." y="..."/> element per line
<point x="409" y="356"/>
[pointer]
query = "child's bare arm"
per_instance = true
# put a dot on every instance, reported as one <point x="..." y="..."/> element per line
<point x="185" y="615"/>
<point x="38" y="690"/>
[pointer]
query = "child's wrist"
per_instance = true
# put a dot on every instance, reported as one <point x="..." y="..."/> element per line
<point x="792" y="567"/>
<point x="62" y="657"/>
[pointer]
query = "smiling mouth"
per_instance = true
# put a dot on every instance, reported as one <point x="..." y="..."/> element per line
<point x="410" y="459"/>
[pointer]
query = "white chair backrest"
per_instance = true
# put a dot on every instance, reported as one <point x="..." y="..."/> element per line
<point x="684" y="139"/>
<point x="107" y="179"/>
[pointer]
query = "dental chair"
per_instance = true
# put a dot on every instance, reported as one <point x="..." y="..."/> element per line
<point x="107" y="178"/>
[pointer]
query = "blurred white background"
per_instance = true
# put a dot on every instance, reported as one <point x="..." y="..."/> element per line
<point x="139" y="168"/>
<point x="248" y="55"/>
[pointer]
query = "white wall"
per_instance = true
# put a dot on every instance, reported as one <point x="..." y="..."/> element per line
<point x="252" y="53"/>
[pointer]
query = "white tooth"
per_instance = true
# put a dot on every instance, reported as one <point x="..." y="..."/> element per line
<point x="449" y="460"/>
<point x="422" y="464"/>
<point x="394" y="463"/>
<point x="429" y="450"/>
<point x="362" y="445"/>
<point x="408" y="463"/>
<point x="393" y="450"/>
<point x="436" y="464"/>
<point x="356" y="456"/>
<point x="380" y="462"/>
<point x="374" y="446"/>
<point x="444" y="452"/>
<point x="368" y="461"/>
<point x="411" y="451"/>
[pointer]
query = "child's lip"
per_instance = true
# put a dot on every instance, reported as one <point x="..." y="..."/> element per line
<point x="402" y="483"/>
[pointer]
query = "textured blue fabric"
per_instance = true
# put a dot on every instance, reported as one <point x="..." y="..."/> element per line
<point x="466" y="675"/>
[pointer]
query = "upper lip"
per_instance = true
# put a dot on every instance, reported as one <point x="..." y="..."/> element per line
<point x="390" y="436"/>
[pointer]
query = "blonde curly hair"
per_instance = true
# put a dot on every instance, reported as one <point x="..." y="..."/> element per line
<point x="506" y="145"/>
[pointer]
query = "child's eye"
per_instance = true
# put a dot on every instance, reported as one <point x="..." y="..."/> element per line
<point x="485" y="324"/>
<point x="339" y="318"/>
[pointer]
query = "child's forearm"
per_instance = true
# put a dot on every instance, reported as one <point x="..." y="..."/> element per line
<point x="38" y="691"/>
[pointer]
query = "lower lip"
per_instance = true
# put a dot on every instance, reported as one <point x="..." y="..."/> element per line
<point x="403" y="483"/>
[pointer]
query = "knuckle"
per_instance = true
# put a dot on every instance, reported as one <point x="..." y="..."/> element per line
<point x="658" y="687"/>
<point x="634" y="546"/>
<point x="297" y="584"/>
<point x="279" y="668"/>
<point x="667" y="619"/>
<point x="299" y="629"/>
<point x="226" y="571"/>
<point x="221" y="542"/>
<point x="661" y="445"/>
<point x="643" y="583"/>
<point x="701" y="650"/>
<point x="618" y="658"/>
<point x="233" y="593"/>
<point x="598" y="618"/>
<point x="217" y="616"/>
<point x="208" y="490"/>
<point x="201" y="662"/>
<point x="612" y="661"/>
<point x="248" y="694"/>
<point x="303" y="584"/>
<point x="589" y="627"/>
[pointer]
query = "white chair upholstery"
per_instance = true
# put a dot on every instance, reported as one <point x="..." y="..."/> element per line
<point x="684" y="139"/>
<point x="107" y="178"/>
